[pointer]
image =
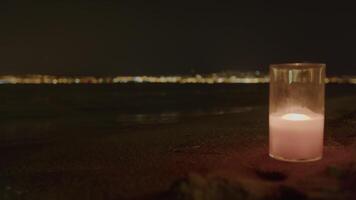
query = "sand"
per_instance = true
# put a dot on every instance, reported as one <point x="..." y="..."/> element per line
<point x="215" y="156"/>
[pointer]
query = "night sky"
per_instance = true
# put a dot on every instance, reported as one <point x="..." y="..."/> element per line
<point x="105" y="37"/>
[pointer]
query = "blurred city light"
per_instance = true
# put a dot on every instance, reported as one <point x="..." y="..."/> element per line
<point x="216" y="78"/>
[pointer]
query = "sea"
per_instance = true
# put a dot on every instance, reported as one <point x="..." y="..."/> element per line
<point x="130" y="104"/>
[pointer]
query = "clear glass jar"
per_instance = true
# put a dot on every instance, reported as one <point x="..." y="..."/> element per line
<point x="296" y="111"/>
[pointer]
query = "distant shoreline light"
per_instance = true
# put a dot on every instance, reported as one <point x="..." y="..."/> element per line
<point x="243" y="78"/>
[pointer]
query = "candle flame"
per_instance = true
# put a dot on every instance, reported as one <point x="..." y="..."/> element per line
<point x="296" y="117"/>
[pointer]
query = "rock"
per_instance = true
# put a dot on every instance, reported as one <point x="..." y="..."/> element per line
<point x="196" y="187"/>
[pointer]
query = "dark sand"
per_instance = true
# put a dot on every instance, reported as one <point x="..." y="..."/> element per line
<point x="52" y="147"/>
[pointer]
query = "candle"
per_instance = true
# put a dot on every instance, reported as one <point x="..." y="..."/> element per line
<point x="296" y="111"/>
<point x="296" y="135"/>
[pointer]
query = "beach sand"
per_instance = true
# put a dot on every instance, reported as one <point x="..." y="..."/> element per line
<point x="220" y="155"/>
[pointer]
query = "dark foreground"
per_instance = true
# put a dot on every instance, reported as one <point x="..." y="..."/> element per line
<point x="163" y="142"/>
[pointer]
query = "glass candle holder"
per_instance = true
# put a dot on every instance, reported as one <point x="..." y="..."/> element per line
<point x="296" y="111"/>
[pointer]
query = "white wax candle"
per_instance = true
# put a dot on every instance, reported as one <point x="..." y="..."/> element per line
<point x="296" y="136"/>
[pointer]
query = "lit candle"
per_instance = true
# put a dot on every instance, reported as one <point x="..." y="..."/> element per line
<point x="296" y="136"/>
<point x="296" y="111"/>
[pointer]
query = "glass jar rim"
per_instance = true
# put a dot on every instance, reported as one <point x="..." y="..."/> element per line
<point x="298" y="65"/>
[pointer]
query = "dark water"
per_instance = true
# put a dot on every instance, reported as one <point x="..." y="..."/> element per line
<point x="128" y="103"/>
<point x="131" y="103"/>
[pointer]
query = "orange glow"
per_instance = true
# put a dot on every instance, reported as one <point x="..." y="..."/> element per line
<point x="296" y="117"/>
